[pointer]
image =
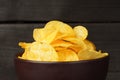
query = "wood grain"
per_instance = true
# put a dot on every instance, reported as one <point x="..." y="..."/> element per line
<point x="65" y="10"/>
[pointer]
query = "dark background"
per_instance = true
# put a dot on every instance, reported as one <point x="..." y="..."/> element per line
<point x="18" y="18"/>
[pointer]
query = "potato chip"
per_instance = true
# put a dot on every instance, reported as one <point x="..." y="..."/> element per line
<point x="75" y="48"/>
<point x="67" y="55"/>
<point x="66" y="29"/>
<point x="90" y="54"/>
<point x="89" y="45"/>
<point x="42" y="35"/>
<point x="81" y="32"/>
<point x="75" y="41"/>
<point x="53" y="25"/>
<point x="40" y="52"/>
<point x="24" y="44"/>
<point x="60" y="36"/>
<point x="63" y="29"/>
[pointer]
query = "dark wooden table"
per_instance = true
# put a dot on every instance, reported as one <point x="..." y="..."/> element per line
<point x="104" y="35"/>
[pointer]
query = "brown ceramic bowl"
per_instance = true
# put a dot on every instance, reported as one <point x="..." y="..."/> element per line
<point x="95" y="69"/>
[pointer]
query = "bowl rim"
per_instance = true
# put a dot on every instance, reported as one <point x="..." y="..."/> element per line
<point x="64" y="62"/>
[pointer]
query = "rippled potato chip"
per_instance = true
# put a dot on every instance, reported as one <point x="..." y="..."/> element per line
<point x="75" y="41"/>
<point x="24" y="44"/>
<point x="76" y="48"/>
<point x="89" y="45"/>
<point x="43" y="35"/>
<point x="67" y="55"/>
<point x="40" y="52"/>
<point x="81" y="32"/>
<point x="63" y="28"/>
<point x="90" y="54"/>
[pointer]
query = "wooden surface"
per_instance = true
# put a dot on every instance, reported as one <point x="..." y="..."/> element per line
<point x="104" y="35"/>
<point x="67" y="10"/>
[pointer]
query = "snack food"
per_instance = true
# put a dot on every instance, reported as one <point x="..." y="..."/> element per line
<point x="58" y="41"/>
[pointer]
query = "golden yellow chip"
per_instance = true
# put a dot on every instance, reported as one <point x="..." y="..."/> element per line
<point x="89" y="45"/>
<point x="81" y="32"/>
<point x="24" y="44"/>
<point x="40" y="52"/>
<point x="66" y="29"/>
<point x="58" y="44"/>
<point x="63" y="29"/>
<point x="75" y="48"/>
<point x="53" y="25"/>
<point x="67" y="55"/>
<point x="90" y="54"/>
<point x="75" y="41"/>
<point x="60" y="36"/>
<point x="42" y="35"/>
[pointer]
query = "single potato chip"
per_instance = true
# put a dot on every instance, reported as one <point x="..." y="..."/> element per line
<point x="63" y="29"/>
<point x="75" y="41"/>
<point x="81" y="32"/>
<point x="89" y="45"/>
<point x="65" y="44"/>
<point x="76" y="48"/>
<point x="60" y="36"/>
<point x="90" y="54"/>
<point x="67" y="55"/>
<point x="43" y="35"/>
<point x="40" y="52"/>
<point x="24" y="44"/>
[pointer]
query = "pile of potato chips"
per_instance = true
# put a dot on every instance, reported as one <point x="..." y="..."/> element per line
<point x="58" y="41"/>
